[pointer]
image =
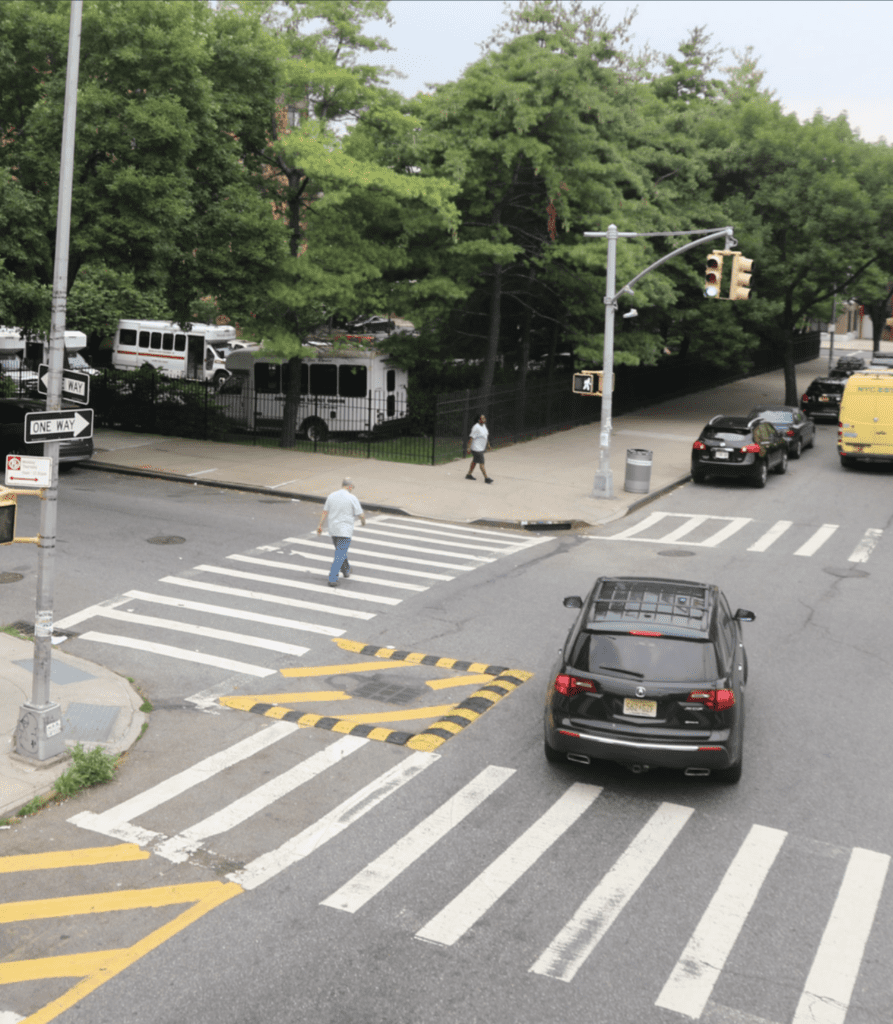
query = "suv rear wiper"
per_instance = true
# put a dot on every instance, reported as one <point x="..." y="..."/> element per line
<point x="622" y="671"/>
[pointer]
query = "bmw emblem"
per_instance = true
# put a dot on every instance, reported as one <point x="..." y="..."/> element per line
<point x="640" y="691"/>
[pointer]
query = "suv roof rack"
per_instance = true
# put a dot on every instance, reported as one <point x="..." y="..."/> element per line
<point x="646" y="601"/>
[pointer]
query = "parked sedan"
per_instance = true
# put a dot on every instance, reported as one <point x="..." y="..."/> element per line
<point x="821" y="400"/>
<point x="652" y="673"/>
<point x="741" y="446"/>
<point x="791" y="424"/>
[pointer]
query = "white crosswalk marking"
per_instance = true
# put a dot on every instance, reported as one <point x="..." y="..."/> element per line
<point x="829" y="987"/>
<point x="771" y="535"/>
<point x="865" y="546"/>
<point x="494" y="881"/>
<point x="689" y="526"/>
<point x="384" y="869"/>
<point x="363" y="564"/>
<point x="570" y="948"/>
<point x="697" y="970"/>
<point x="259" y="595"/>
<point x="356" y="547"/>
<point x="822" y="534"/>
<point x="167" y="651"/>
<point x="311" y="569"/>
<point x="651" y="520"/>
<point x="223" y="570"/>
<point x="268" y="865"/>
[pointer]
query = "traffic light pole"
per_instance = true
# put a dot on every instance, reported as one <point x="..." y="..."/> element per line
<point x="603" y="487"/>
<point x="39" y="727"/>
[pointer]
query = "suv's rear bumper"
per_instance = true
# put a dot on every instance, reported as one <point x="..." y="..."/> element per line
<point x="747" y="467"/>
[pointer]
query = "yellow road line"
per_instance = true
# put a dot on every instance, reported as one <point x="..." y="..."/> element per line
<point x="72" y="858"/>
<point x="339" y="670"/>
<point x="445" y="684"/>
<point x="398" y="716"/>
<point x="289" y="698"/>
<point x="74" y="965"/>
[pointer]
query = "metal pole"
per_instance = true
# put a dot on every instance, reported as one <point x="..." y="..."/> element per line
<point x="603" y="487"/>
<point x="832" y="325"/>
<point x="39" y="728"/>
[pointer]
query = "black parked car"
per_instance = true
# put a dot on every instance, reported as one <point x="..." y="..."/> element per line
<point x="790" y="423"/>
<point x="12" y="434"/>
<point x="738" y="446"/>
<point x="821" y="399"/>
<point x="652" y="674"/>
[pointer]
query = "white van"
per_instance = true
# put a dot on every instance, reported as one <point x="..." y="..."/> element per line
<point x="199" y="354"/>
<point x="350" y="392"/>
<point x="20" y="358"/>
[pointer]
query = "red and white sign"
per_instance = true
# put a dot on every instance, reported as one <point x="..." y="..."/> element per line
<point x="28" y="471"/>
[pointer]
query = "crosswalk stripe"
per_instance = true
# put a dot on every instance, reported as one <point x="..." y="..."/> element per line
<point x="384" y="869"/>
<point x="863" y="549"/>
<point x="453" y="529"/>
<point x="690" y="524"/>
<point x="829" y="986"/>
<point x="371" y="531"/>
<point x="570" y="948"/>
<point x="771" y="535"/>
<point x="180" y="653"/>
<point x="448" y="926"/>
<point x="692" y="980"/>
<point x="257" y="595"/>
<point x="732" y="527"/>
<point x="223" y="570"/>
<point x="368" y="539"/>
<point x="415" y="573"/>
<point x="205" y="631"/>
<point x="270" y="864"/>
<point x="816" y="540"/>
<point x="235" y="613"/>
<point x="395" y="584"/>
<point x="356" y="547"/>
<point x="107" y="822"/>
<point x="650" y="520"/>
<point x="179" y="847"/>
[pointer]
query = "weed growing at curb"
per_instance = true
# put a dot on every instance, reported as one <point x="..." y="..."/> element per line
<point x="88" y="768"/>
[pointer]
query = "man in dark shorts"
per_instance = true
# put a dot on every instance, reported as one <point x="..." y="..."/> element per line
<point x="479" y="441"/>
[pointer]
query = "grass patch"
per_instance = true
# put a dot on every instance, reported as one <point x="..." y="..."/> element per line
<point x="13" y="630"/>
<point x="88" y="768"/>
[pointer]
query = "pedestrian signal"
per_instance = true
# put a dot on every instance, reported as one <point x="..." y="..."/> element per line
<point x="713" y="275"/>
<point x="585" y="384"/>
<point x="739" y="286"/>
<point x="7" y="518"/>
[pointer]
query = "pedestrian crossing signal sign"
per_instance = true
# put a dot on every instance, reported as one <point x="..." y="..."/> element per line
<point x="588" y="382"/>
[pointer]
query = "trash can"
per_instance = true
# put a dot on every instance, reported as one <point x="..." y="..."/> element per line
<point x="638" y="471"/>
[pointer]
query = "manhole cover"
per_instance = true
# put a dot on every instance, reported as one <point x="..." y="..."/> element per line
<point x="676" y="553"/>
<point x="390" y="693"/>
<point x="10" y="577"/>
<point x="166" y="540"/>
<point x="846" y="573"/>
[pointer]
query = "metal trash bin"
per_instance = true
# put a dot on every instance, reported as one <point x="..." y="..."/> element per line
<point x="638" y="471"/>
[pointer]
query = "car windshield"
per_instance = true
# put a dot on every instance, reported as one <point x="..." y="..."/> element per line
<point x="661" y="659"/>
<point x="777" y="416"/>
<point x="728" y="435"/>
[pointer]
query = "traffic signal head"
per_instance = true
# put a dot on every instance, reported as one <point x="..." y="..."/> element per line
<point x="713" y="275"/>
<point x="739" y="285"/>
<point x="7" y="518"/>
<point x="584" y="383"/>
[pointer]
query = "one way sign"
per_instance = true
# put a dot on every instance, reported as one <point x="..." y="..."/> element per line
<point x="75" y="385"/>
<point x="58" y="426"/>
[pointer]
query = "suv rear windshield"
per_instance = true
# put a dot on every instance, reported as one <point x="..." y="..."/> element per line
<point x="778" y="416"/>
<point x="661" y="659"/>
<point x="728" y="434"/>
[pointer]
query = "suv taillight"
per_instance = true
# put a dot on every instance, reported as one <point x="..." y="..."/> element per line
<point x="789" y="433"/>
<point x="570" y="685"/>
<point x="754" y="448"/>
<point x="715" y="700"/>
<point x="805" y="398"/>
<point x="699" y="446"/>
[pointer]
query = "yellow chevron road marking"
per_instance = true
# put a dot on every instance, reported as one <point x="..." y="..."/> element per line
<point x="338" y="670"/>
<point x="399" y="716"/>
<point x="445" y="684"/>
<point x="243" y="703"/>
<point x="72" y="858"/>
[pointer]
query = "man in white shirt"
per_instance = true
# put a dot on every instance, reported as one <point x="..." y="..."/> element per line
<point x="341" y="509"/>
<point x="480" y="442"/>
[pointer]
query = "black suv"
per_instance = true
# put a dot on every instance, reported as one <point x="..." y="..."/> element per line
<point x="652" y="674"/>
<point x="738" y="446"/>
<point x="822" y="398"/>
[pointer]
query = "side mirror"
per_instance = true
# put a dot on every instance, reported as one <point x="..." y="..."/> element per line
<point x="573" y="602"/>
<point x="743" y="615"/>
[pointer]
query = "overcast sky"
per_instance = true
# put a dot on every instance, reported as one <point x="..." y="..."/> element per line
<point x="831" y="55"/>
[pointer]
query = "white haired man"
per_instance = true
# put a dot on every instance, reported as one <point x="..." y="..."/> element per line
<point x="341" y="509"/>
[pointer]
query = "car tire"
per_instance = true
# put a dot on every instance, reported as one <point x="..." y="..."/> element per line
<point x="553" y="756"/>
<point x="761" y="474"/>
<point x="847" y="461"/>
<point x="782" y="466"/>
<point x="315" y="430"/>
<point x="797" y="448"/>
<point x="729" y="776"/>
<point x="698" y="476"/>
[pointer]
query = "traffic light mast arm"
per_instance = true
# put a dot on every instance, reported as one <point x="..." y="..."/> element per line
<point x="723" y="233"/>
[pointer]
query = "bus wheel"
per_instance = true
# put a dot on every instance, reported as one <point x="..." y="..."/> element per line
<point x="315" y="430"/>
<point x="219" y="378"/>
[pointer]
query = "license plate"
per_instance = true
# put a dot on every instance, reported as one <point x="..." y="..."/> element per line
<point x="720" y="455"/>
<point x="642" y="708"/>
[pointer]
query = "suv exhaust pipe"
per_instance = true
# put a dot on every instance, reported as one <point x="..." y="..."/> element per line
<point x="579" y="758"/>
<point x="638" y="769"/>
<point x="697" y="771"/>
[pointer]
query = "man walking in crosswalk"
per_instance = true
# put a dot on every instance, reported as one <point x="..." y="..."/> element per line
<point x="341" y="509"/>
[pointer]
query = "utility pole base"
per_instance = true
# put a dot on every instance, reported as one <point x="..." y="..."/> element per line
<point x="39" y="732"/>
<point x="604" y="484"/>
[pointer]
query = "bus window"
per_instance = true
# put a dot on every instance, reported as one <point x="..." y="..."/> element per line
<point x="128" y="337"/>
<point x="324" y="380"/>
<point x="305" y="375"/>
<point x="167" y="342"/>
<point x="156" y="339"/>
<point x="352" y="381"/>
<point x="391" y="381"/>
<point x="180" y="343"/>
<point x="392" y="405"/>
<point x="145" y="339"/>
<point x="268" y="378"/>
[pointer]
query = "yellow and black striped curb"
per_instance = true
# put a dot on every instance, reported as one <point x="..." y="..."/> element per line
<point x="504" y="681"/>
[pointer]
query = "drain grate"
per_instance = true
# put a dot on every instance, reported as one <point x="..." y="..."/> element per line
<point x="89" y="722"/>
<point x="676" y="553"/>
<point x="390" y="693"/>
<point x="166" y="540"/>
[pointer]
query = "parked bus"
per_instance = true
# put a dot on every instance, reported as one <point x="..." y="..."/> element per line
<point x="20" y="358"/>
<point x="352" y="392"/>
<point x="199" y="354"/>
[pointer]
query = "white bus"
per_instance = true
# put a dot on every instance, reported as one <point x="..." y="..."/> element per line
<point x="20" y="358"/>
<point x="199" y="354"/>
<point x="351" y="392"/>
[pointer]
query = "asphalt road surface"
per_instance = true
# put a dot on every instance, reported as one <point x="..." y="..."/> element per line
<point x="255" y="871"/>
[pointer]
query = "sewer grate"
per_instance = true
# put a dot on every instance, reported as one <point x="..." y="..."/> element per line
<point x="89" y="722"/>
<point x="166" y="540"/>
<point x="60" y="674"/>
<point x="390" y="693"/>
<point x="676" y="553"/>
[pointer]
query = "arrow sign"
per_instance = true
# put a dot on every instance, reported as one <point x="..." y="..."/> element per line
<point x="58" y="426"/>
<point x="74" y="385"/>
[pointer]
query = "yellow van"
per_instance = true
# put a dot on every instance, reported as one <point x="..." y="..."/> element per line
<point x="865" y="420"/>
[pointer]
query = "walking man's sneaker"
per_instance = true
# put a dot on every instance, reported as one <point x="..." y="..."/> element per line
<point x="335" y="584"/>
<point x="468" y="476"/>
<point x="487" y="480"/>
